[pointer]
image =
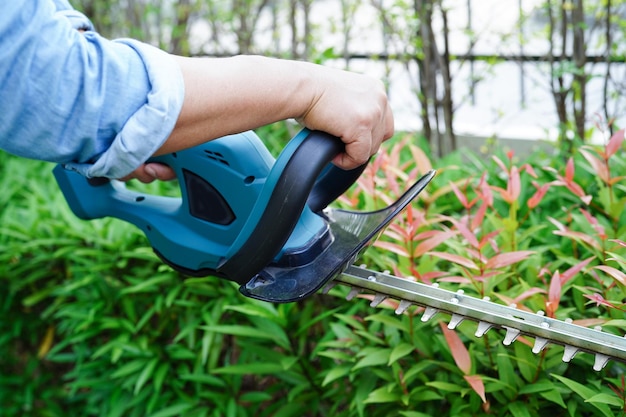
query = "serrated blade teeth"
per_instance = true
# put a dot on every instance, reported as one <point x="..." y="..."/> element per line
<point x="483" y="327"/>
<point x="510" y="336"/>
<point x="540" y="344"/>
<point x="600" y="362"/>
<point x="353" y="293"/>
<point x="403" y="306"/>
<point x="328" y="287"/>
<point x="455" y="320"/>
<point x="429" y="313"/>
<point x="569" y="353"/>
<point x="378" y="298"/>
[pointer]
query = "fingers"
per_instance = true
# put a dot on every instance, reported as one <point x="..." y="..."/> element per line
<point x="353" y="107"/>
<point x="365" y="143"/>
<point x="149" y="172"/>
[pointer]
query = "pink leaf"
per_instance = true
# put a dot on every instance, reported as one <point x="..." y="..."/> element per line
<point x="569" y="170"/>
<point x="484" y="191"/>
<point x="500" y="164"/>
<point x="476" y="382"/>
<point x="590" y="322"/>
<point x="477" y="220"/>
<point x="528" y="293"/>
<point x="615" y="143"/>
<point x="571" y="272"/>
<point x="432" y="242"/>
<point x="511" y="302"/>
<point x="467" y="234"/>
<point x="619" y="242"/>
<point x="392" y="247"/>
<point x="594" y="222"/>
<point x="457" y="259"/>
<point x="513" y="186"/>
<point x="459" y="351"/>
<point x="538" y="196"/>
<point x="616" y="274"/>
<point x="505" y="259"/>
<point x="462" y="197"/>
<point x="598" y="165"/>
<point x="554" y="294"/>
<point x="579" y="236"/>
<point x="599" y="300"/>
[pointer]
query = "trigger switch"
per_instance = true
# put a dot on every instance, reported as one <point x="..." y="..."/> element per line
<point x="205" y="202"/>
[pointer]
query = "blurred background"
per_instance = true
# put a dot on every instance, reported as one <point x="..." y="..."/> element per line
<point x="459" y="71"/>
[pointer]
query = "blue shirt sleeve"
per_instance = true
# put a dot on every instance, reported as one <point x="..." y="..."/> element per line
<point x="100" y="107"/>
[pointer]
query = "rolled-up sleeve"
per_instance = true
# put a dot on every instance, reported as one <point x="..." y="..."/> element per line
<point x="100" y="107"/>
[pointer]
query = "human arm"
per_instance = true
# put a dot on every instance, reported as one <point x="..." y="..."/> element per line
<point x="228" y="95"/>
<point x="104" y="107"/>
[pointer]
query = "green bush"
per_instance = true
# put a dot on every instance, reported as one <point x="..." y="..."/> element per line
<point x="94" y="325"/>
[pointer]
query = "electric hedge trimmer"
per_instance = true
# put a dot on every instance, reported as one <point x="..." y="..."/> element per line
<point x="265" y="223"/>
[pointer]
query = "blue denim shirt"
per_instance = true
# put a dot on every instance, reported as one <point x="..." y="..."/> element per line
<point x="100" y="107"/>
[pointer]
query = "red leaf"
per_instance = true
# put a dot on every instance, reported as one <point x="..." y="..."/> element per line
<point x="462" y="197"/>
<point x="616" y="274"/>
<point x="459" y="351"/>
<point x="554" y="294"/>
<point x="579" y="236"/>
<point x="598" y="165"/>
<point x="432" y="242"/>
<point x="392" y="247"/>
<point x="619" y="242"/>
<point x="505" y="259"/>
<point x="476" y="382"/>
<point x="615" y="143"/>
<point x="569" y="274"/>
<point x="569" y="170"/>
<point x="538" y="196"/>
<point x="484" y="191"/>
<point x="457" y="259"/>
<point x="477" y="220"/>
<point x="513" y="186"/>
<point x="467" y="234"/>
<point x="528" y="293"/>
<point x="599" y="300"/>
<point x="589" y="322"/>
<point x="594" y="222"/>
<point x="500" y="163"/>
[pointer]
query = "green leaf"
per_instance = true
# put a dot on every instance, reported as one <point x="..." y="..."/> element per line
<point x="145" y="374"/>
<point x="336" y="373"/>
<point x="413" y="414"/>
<point x="609" y="399"/>
<point x="445" y="386"/>
<point x="246" y="331"/>
<point x="147" y="285"/>
<point x="585" y="392"/>
<point x="203" y="379"/>
<point x="387" y="320"/>
<point x="251" y="369"/>
<point x="255" y="397"/>
<point x="519" y="409"/>
<point x="174" y="410"/>
<point x="386" y="394"/>
<point x="129" y="368"/>
<point x="374" y="358"/>
<point x="400" y="351"/>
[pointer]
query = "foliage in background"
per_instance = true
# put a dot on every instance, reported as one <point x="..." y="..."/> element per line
<point x="94" y="325"/>
<point x="563" y="47"/>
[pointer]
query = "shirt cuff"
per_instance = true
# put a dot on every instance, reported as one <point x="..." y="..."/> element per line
<point x="149" y="127"/>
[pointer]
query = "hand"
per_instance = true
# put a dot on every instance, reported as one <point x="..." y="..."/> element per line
<point x="149" y="172"/>
<point x="354" y="108"/>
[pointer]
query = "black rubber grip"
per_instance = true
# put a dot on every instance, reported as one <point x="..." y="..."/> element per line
<point x="299" y="183"/>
